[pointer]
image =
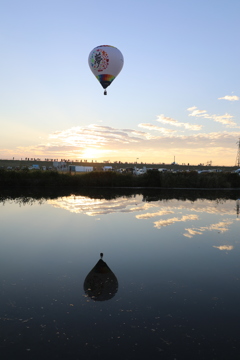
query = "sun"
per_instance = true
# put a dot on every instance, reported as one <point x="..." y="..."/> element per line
<point x="91" y="153"/>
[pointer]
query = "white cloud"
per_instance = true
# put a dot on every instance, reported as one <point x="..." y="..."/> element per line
<point x="192" y="108"/>
<point x="197" y="113"/>
<point x="95" y="135"/>
<point x="73" y="142"/>
<point x="170" y="121"/>
<point x="152" y="143"/>
<point x="157" y="128"/>
<point x="225" y="119"/>
<point x="230" y="98"/>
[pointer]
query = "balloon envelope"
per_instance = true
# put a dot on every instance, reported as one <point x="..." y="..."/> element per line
<point x="105" y="62"/>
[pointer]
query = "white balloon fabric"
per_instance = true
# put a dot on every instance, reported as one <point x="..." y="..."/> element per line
<point x="105" y="62"/>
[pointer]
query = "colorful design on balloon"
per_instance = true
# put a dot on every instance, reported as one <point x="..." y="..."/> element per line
<point x="105" y="77"/>
<point x="99" y="60"/>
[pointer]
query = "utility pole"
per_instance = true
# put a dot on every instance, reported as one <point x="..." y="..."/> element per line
<point x="238" y="154"/>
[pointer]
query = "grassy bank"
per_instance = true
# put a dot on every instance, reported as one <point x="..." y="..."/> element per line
<point x="25" y="178"/>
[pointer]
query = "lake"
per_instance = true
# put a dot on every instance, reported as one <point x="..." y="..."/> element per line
<point x="166" y="286"/>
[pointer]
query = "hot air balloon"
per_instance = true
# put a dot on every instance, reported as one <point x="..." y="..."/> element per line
<point x="105" y="62"/>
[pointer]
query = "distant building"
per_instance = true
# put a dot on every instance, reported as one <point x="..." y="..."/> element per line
<point x="60" y="165"/>
<point x="74" y="168"/>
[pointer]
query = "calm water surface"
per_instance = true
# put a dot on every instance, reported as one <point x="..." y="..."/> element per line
<point x="173" y="291"/>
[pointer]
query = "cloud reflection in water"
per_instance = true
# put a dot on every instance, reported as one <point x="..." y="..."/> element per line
<point x="222" y="226"/>
<point x="160" y="223"/>
<point x="94" y="207"/>
<point x="162" y="209"/>
<point x="224" y="247"/>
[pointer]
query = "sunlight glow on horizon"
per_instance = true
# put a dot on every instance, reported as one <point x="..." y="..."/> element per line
<point x="101" y="143"/>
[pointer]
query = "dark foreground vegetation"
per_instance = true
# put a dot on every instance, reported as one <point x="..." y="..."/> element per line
<point x="100" y="179"/>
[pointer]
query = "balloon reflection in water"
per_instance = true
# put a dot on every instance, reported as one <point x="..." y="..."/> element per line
<point x="101" y="284"/>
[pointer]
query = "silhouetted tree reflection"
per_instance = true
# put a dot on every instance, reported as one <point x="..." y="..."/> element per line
<point x="101" y="284"/>
<point x="29" y="195"/>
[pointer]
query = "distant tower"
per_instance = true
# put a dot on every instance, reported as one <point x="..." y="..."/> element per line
<point x="238" y="154"/>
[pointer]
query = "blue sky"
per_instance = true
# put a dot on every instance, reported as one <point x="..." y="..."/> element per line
<point x="177" y="94"/>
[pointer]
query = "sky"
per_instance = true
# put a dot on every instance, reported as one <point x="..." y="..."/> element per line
<point x="176" y="98"/>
